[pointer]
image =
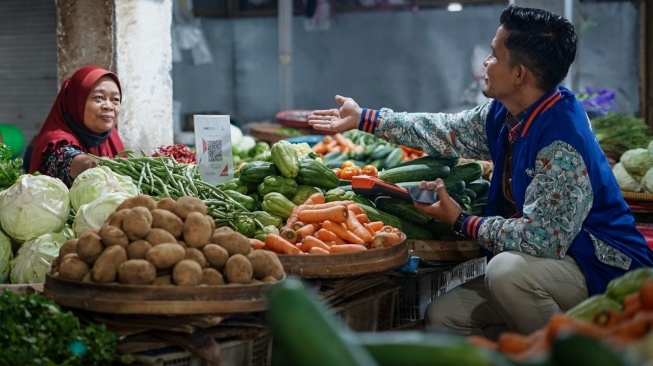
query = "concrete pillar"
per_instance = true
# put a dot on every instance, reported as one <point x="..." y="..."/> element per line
<point x="133" y="39"/>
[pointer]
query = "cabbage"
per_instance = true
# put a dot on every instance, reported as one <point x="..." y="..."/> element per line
<point x="33" y="206"/>
<point x="650" y="149"/>
<point x="636" y="161"/>
<point x="236" y="135"/>
<point x="647" y="181"/>
<point x="247" y="143"/>
<point x="94" y="214"/>
<point x="626" y="181"/>
<point x="35" y="257"/>
<point x="5" y="256"/>
<point x="95" y="182"/>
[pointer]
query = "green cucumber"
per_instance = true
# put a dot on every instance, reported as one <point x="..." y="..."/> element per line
<point x="454" y="185"/>
<point x="467" y="172"/>
<point x="381" y="151"/>
<point x="393" y="158"/>
<point x="412" y="231"/>
<point x="572" y="349"/>
<point x="431" y="160"/>
<point x="480" y="186"/>
<point x="306" y="332"/>
<point x="469" y="193"/>
<point x="411" y="173"/>
<point x="401" y="208"/>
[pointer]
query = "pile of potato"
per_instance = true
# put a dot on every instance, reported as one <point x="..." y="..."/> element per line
<point x="145" y="242"/>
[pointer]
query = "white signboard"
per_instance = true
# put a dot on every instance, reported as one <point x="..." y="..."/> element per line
<point x="213" y="148"/>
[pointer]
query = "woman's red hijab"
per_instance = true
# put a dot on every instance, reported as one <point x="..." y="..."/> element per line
<point x="72" y="99"/>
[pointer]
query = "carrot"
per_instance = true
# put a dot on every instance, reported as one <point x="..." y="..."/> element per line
<point x="277" y="244"/>
<point x="355" y="208"/>
<point x="320" y="206"/>
<point x="357" y="228"/>
<point x="346" y="248"/>
<point x="634" y="328"/>
<point x="320" y="148"/>
<point x="631" y="305"/>
<point x="306" y="230"/>
<point x="376" y="225"/>
<point x="384" y="239"/>
<point x="336" y="214"/>
<point x="369" y="229"/>
<point x="511" y="343"/>
<point x="560" y="323"/>
<point x="318" y="250"/>
<point x="343" y="233"/>
<point x="289" y="234"/>
<point x="646" y="295"/>
<point x="256" y="243"/>
<point x="311" y="242"/>
<point x="482" y="342"/>
<point x="315" y="198"/>
<point x="343" y="141"/>
<point x="608" y="318"/>
<point x="362" y="218"/>
<point x="328" y="236"/>
<point x="297" y="225"/>
<point x="387" y="229"/>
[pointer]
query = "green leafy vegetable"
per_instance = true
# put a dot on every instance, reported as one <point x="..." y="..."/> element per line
<point x="10" y="169"/>
<point x="35" y="331"/>
<point x="618" y="133"/>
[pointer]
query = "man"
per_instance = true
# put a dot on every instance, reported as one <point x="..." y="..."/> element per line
<point x="557" y="229"/>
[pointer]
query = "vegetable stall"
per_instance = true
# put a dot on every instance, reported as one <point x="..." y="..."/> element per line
<point x="145" y="261"/>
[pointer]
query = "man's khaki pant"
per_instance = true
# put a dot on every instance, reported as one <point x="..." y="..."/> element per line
<point x="518" y="293"/>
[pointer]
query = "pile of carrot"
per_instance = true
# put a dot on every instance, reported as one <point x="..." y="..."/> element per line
<point x="410" y="153"/>
<point x="337" y="142"/>
<point x="617" y="329"/>
<point x="319" y="227"/>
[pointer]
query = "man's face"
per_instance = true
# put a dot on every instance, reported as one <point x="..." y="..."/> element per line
<point x="498" y="72"/>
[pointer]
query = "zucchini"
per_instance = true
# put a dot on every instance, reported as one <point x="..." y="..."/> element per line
<point x="431" y="160"/>
<point x="393" y="158"/>
<point x="412" y="231"/>
<point x="479" y="186"/>
<point x="411" y="173"/>
<point x="467" y="172"/>
<point x="401" y="208"/>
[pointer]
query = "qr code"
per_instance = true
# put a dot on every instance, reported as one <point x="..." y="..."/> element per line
<point x="214" y="149"/>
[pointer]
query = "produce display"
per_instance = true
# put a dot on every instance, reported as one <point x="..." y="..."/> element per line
<point x="165" y="242"/>
<point x="634" y="170"/>
<point x="618" y="133"/>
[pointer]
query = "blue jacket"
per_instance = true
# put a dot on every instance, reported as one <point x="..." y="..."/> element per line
<point x="558" y="116"/>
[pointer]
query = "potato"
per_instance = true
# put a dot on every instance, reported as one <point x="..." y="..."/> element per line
<point x="238" y="269"/>
<point x="197" y="231"/>
<point x="269" y="279"/>
<point x="89" y="247"/>
<point x="88" y="277"/>
<point x="167" y="204"/>
<point x="159" y="236"/>
<point x="168" y="221"/>
<point x="112" y="235"/>
<point x="211" y="223"/>
<point x="141" y="200"/>
<point x="211" y="276"/>
<point x="223" y="228"/>
<point x="137" y="249"/>
<point x="187" y="273"/>
<point x="216" y="255"/>
<point x="188" y="204"/>
<point x="105" y="268"/>
<point x="233" y="242"/>
<point x="165" y="256"/>
<point x="196" y="255"/>
<point x="277" y="268"/>
<point x="182" y="243"/>
<point x="163" y="280"/>
<point x="72" y="269"/>
<point x="262" y="263"/>
<point x="137" y="222"/>
<point x="115" y="218"/>
<point x="136" y="272"/>
<point x="68" y="247"/>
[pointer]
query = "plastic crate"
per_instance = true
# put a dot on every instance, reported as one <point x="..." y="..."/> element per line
<point x="418" y="291"/>
<point x="372" y="310"/>
<point x="255" y="351"/>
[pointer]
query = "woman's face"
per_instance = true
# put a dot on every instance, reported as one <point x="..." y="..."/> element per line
<point x="102" y="106"/>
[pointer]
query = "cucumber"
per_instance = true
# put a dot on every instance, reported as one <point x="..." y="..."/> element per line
<point x="306" y="331"/>
<point x="362" y="200"/>
<point x="422" y="348"/>
<point x="393" y="158"/>
<point x="467" y="172"/>
<point x="402" y="209"/>
<point x="571" y="349"/>
<point x="381" y="151"/>
<point x="331" y="155"/>
<point x="412" y="231"/>
<point x="454" y="185"/>
<point x="335" y="162"/>
<point x="469" y="193"/>
<point x="478" y="209"/>
<point x="411" y="173"/>
<point x="431" y="160"/>
<point x="480" y="186"/>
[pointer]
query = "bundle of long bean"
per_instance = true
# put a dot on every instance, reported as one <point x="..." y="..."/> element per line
<point x="162" y="177"/>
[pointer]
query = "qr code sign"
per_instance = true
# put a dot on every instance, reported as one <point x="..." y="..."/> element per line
<point x="214" y="148"/>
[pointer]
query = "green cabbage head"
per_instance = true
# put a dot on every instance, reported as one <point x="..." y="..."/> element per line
<point x="626" y="181"/>
<point x="95" y="213"/>
<point x="35" y="256"/>
<point x="33" y="206"/>
<point x="5" y="256"/>
<point x="98" y="181"/>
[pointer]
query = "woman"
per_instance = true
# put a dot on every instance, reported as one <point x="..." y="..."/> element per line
<point x="82" y="121"/>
